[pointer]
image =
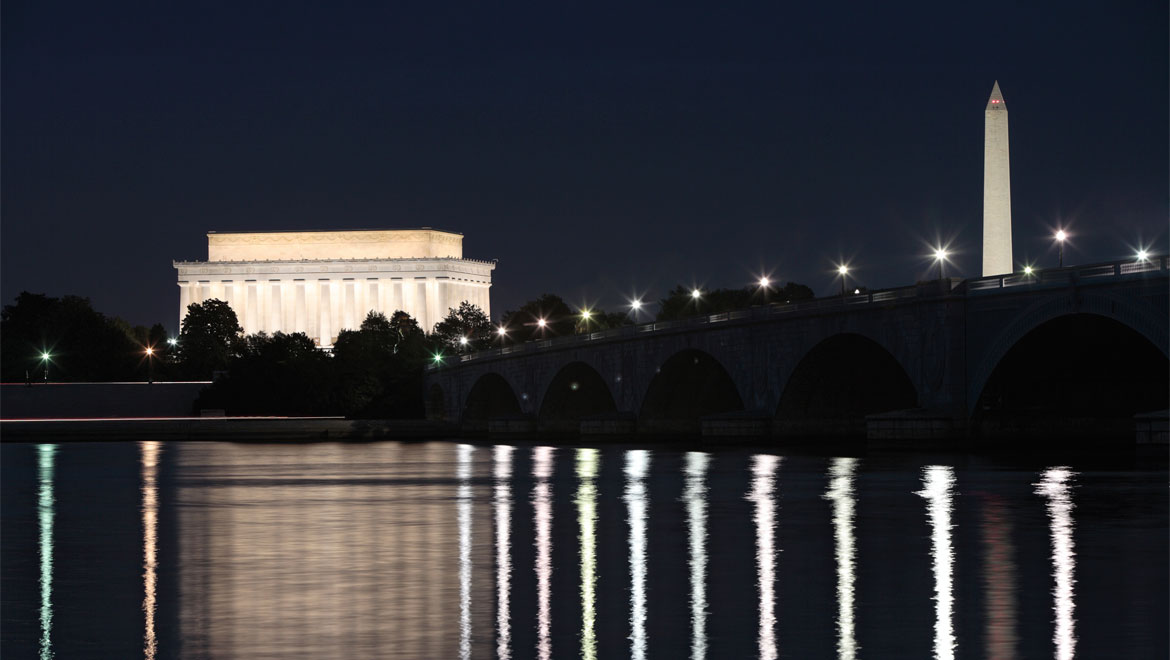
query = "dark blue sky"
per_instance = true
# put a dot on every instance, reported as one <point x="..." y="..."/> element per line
<point x="594" y="150"/>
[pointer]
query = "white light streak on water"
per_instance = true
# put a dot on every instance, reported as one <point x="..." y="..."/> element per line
<point x="764" y="468"/>
<point x="840" y="493"/>
<point x="463" y="473"/>
<point x="46" y="457"/>
<point x="542" y="469"/>
<point x="695" y="497"/>
<point x="637" y="504"/>
<point x="938" y="483"/>
<point x="1055" y="487"/>
<point x="150" y="452"/>
<point x="503" y="505"/>
<point x="587" y="466"/>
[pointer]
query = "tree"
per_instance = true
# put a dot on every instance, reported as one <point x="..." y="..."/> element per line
<point x="279" y="374"/>
<point x="525" y="323"/>
<point x="680" y="302"/>
<point x="465" y="329"/>
<point x="601" y="320"/>
<point x="210" y="338"/>
<point x="82" y="344"/>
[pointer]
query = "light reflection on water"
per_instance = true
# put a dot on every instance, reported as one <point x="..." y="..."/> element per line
<point x="938" y="482"/>
<point x="418" y="551"/>
<point x="763" y="484"/>
<point x="840" y="493"/>
<point x="695" y="497"/>
<point x="1054" y="487"/>
<point x="46" y="454"/>
<point x="150" y="450"/>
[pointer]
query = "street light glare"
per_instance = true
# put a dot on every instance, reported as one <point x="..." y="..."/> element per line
<point x="501" y="331"/>
<point x="843" y="269"/>
<point x="1060" y="235"/>
<point x="1027" y="270"/>
<point x="172" y="341"/>
<point x="764" y="282"/>
<point x="635" y="304"/>
<point x="696" y="293"/>
<point x="585" y="314"/>
<point x="541" y="322"/>
<point x="438" y="358"/>
<point x="1142" y="255"/>
<point x="45" y="356"/>
<point x="463" y="341"/>
<point x="149" y="350"/>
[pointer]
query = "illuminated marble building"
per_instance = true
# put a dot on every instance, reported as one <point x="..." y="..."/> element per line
<point x="320" y="282"/>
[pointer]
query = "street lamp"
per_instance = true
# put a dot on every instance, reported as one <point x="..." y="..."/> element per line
<point x="1142" y="255"/>
<point x="463" y="341"/>
<point x="45" y="357"/>
<point x="149" y="365"/>
<point x="696" y="294"/>
<point x="1060" y="236"/>
<point x="843" y="271"/>
<point x="1027" y="270"/>
<point x="940" y="255"/>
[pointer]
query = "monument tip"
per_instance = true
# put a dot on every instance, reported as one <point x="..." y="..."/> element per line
<point x="996" y="98"/>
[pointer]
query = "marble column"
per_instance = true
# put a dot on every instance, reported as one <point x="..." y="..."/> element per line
<point x="325" y="314"/>
<point x="299" y="324"/>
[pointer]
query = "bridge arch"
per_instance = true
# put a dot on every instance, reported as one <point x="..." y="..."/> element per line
<point x="689" y="385"/>
<point x="1070" y="368"/>
<point x="490" y="396"/>
<point x="576" y="391"/>
<point x="1139" y="317"/>
<point x="838" y="382"/>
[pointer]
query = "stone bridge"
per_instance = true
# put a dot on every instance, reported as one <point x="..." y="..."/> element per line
<point x="995" y="356"/>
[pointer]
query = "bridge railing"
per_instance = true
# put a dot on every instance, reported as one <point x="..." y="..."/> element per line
<point x="980" y="286"/>
<point x="1068" y="275"/>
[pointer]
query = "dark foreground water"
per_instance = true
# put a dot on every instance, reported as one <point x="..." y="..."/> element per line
<point x="444" y="550"/>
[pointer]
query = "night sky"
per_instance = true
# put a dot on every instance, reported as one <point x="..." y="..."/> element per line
<point x="595" y="150"/>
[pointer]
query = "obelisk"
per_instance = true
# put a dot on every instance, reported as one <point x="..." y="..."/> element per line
<point x="997" y="188"/>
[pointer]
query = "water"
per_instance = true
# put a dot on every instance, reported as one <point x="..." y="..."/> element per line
<point x="446" y="550"/>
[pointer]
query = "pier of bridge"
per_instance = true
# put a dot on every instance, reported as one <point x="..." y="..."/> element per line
<point x="1065" y="353"/>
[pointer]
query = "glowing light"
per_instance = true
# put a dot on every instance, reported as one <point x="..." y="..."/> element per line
<point x="541" y="323"/>
<point x="463" y="515"/>
<point x="585" y="314"/>
<point x="763" y="484"/>
<point x="764" y="282"/>
<point x="1142" y="255"/>
<point x="843" y="269"/>
<point x="149" y="351"/>
<point x="463" y="341"/>
<point x="695" y="293"/>
<point x="501" y="331"/>
<point x="1054" y="487"/>
<point x="46" y="356"/>
<point x="635" y="305"/>
<point x="173" y="342"/>
<point x="1027" y="270"/>
<point x="46" y="455"/>
<point x="637" y="503"/>
<point x="940" y="254"/>
<point x="1060" y="235"/>
<point x="938" y="482"/>
<point x="840" y="493"/>
<point x="150" y="451"/>
<point x="695" y="496"/>
<point x="438" y="358"/>
<point x="542" y="469"/>
<point x="857" y="291"/>
<point x="503" y="475"/>
<point x="587" y="468"/>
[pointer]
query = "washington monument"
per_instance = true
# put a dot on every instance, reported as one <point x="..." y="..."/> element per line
<point x="997" y="188"/>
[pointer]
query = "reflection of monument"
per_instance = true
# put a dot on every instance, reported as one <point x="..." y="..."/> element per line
<point x="320" y="282"/>
<point x="997" y="188"/>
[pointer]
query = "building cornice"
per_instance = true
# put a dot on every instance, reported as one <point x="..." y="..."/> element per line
<point x="338" y="266"/>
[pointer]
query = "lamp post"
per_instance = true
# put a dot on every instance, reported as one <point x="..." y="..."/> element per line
<point x="45" y="357"/>
<point x="843" y="270"/>
<point x="1060" y="236"/>
<point x="150" y="365"/>
<point x="940" y="255"/>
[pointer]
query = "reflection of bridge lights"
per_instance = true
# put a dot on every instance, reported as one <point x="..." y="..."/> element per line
<point x="938" y="481"/>
<point x="542" y="469"/>
<point x="587" y="466"/>
<point x="841" y="495"/>
<point x="503" y="475"/>
<point x="763" y="484"/>
<point x="637" y="503"/>
<point x="695" y="496"/>
<point x="1054" y="486"/>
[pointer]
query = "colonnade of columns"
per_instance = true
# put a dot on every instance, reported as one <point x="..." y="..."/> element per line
<point x="322" y="307"/>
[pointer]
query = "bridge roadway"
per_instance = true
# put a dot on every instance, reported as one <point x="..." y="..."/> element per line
<point x="934" y="360"/>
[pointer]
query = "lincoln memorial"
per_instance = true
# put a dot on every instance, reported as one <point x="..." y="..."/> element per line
<point x="320" y="282"/>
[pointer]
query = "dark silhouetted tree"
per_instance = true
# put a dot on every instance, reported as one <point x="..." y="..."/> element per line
<point x="467" y="322"/>
<point x="210" y="338"/>
<point x="524" y="323"/>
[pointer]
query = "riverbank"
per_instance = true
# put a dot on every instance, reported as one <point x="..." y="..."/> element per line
<point x="238" y="429"/>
